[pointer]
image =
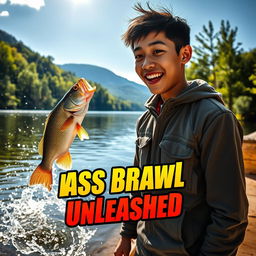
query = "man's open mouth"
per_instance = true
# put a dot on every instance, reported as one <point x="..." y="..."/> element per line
<point x="154" y="77"/>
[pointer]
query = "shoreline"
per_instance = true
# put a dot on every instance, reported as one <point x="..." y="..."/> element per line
<point x="108" y="247"/>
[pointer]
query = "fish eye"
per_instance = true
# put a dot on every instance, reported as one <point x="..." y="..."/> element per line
<point x="75" y="87"/>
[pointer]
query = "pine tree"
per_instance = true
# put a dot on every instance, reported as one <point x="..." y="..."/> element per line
<point x="229" y="62"/>
<point x="204" y="66"/>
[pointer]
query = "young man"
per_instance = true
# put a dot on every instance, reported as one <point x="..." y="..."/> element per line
<point x="185" y="121"/>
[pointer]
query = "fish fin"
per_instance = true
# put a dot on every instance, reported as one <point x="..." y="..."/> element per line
<point x="65" y="161"/>
<point x="41" y="176"/>
<point x="67" y="123"/>
<point x="81" y="132"/>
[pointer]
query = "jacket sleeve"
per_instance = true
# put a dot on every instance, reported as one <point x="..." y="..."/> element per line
<point x="222" y="162"/>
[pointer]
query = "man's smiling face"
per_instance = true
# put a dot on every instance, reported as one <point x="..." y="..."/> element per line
<point x="158" y="64"/>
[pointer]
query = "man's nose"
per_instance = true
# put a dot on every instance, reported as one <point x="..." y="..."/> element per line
<point x="148" y="63"/>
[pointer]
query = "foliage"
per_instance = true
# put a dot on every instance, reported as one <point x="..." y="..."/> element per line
<point x="7" y="93"/>
<point x="221" y="61"/>
<point x="204" y="65"/>
<point x="228" y="62"/>
<point x="252" y="77"/>
<point x="31" y="81"/>
<point x="242" y="104"/>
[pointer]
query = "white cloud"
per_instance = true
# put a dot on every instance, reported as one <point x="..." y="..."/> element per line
<point x="36" y="4"/>
<point x="4" y="14"/>
<point x="3" y="1"/>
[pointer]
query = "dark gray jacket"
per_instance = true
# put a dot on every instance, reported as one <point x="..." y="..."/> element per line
<point x="194" y="127"/>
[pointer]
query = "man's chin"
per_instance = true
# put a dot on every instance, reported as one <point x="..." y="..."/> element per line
<point x="154" y="90"/>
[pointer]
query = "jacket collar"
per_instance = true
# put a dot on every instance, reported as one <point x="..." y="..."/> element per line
<point x="153" y="102"/>
<point x="197" y="89"/>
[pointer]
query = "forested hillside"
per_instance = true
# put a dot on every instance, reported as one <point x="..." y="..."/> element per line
<point x="31" y="81"/>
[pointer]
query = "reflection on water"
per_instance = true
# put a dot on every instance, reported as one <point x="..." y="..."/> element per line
<point x="32" y="219"/>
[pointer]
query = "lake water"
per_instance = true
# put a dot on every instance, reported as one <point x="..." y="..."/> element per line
<point x="31" y="218"/>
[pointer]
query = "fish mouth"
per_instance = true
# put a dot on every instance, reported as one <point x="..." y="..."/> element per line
<point x="86" y="85"/>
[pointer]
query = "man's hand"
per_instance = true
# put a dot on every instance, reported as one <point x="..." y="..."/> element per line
<point x="123" y="247"/>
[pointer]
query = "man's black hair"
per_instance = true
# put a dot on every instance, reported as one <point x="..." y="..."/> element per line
<point x="174" y="27"/>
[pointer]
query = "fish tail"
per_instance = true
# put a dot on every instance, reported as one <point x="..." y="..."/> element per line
<point x="41" y="176"/>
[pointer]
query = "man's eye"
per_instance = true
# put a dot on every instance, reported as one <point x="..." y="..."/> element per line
<point x="158" y="51"/>
<point x="138" y="56"/>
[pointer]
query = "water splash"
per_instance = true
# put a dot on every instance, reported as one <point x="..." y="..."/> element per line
<point x="34" y="223"/>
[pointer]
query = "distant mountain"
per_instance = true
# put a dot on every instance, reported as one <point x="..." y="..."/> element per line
<point x="116" y="85"/>
<point x="31" y="81"/>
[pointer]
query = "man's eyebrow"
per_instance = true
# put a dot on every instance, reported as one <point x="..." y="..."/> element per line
<point x="136" y="49"/>
<point x="150" y="44"/>
<point x="157" y="42"/>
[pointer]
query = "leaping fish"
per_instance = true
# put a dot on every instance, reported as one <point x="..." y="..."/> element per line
<point x="61" y="127"/>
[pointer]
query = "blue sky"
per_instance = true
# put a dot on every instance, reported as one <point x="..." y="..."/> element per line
<point x="89" y="31"/>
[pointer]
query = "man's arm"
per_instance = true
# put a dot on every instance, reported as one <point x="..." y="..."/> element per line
<point x="222" y="161"/>
<point x="123" y="247"/>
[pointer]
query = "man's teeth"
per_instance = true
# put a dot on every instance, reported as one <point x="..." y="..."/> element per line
<point x="153" y="76"/>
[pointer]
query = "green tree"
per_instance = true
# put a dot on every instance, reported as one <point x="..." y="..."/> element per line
<point x="242" y="105"/>
<point x="252" y="72"/>
<point x="7" y="94"/>
<point x="46" y="101"/>
<point x="29" y="88"/>
<point x="229" y="70"/>
<point x="252" y="89"/>
<point x="11" y="62"/>
<point x="204" y="66"/>
<point x="12" y="101"/>
<point x="220" y="60"/>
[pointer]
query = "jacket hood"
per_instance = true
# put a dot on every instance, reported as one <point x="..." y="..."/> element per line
<point x="197" y="90"/>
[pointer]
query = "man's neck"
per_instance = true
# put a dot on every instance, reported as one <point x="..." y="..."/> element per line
<point x="176" y="90"/>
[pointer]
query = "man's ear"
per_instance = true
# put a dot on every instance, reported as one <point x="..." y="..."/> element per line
<point x="185" y="54"/>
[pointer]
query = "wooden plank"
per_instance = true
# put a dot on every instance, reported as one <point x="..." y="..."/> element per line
<point x="249" y="155"/>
